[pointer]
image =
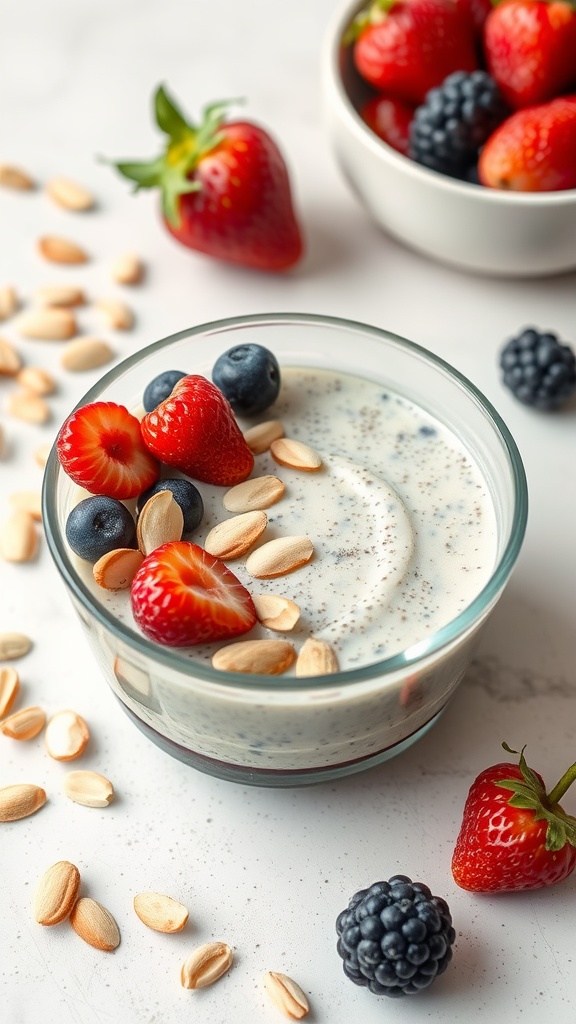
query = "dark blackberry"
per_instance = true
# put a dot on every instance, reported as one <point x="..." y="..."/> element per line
<point x="451" y="126"/>
<point x="395" y="937"/>
<point x="539" y="369"/>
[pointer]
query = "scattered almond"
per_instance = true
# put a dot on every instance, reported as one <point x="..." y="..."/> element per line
<point x="37" y="380"/>
<point x="28" y="501"/>
<point x="69" y="194"/>
<point x="15" y="177"/>
<point x="24" y="724"/>
<point x="51" y="324"/>
<point x="316" y="658"/>
<point x="41" y="454"/>
<point x="259" y="657"/>
<point x="233" y="537"/>
<point x="60" y="295"/>
<point x="280" y="556"/>
<point x="258" y="493"/>
<point x="88" y="788"/>
<point x="18" y="538"/>
<point x="286" y="995"/>
<point x="260" y="437"/>
<point x="161" y="520"/>
<point x="27" y="406"/>
<point x="8" y="301"/>
<point x="206" y="965"/>
<point x="85" y="354"/>
<point x="295" y="455"/>
<point x="93" y="923"/>
<point x="10" y="361"/>
<point x="9" y="686"/>
<point x="61" y="250"/>
<point x="116" y="314"/>
<point x="160" y="912"/>
<point x="20" y="801"/>
<point x="56" y="893"/>
<point x="275" y="612"/>
<point x="116" y="569"/>
<point x="127" y="269"/>
<point x="14" y="645"/>
<point x="66" y="736"/>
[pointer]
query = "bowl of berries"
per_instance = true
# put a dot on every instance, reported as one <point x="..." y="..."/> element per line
<point x="454" y="121"/>
<point x="255" y="521"/>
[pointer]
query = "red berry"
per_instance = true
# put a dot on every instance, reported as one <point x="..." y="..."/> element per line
<point x="513" y="834"/>
<point x="534" y="150"/>
<point x="389" y="119"/>
<point x="183" y="596"/>
<point x="194" y="430"/>
<point x="476" y="11"/>
<point x="100" y="447"/>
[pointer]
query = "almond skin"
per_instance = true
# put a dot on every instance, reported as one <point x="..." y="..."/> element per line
<point x="286" y="995"/>
<point x="161" y="520"/>
<point x="24" y="724"/>
<point x="95" y="925"/>
<point x="279" y="557"/>
<point x="258" y="493"/>
<point x="116" y="569"/>
<point x="295" y="454"/>
<point x="260" y="437"/>
<point x="88" y="788"/>
<point x="259" y="657"/>
<point x="56" y="893"/>
<point x="234" y="537"/>
<point x="9" y="687"/>
<point x="20" y="801"/>
<point x="206" y="965"/>
<point x="159" y="912"/>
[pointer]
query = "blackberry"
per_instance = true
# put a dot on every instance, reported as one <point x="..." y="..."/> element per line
<point x="539" y="369"/>
<point x="395" y="937"/>
<point x="451" y="126"/>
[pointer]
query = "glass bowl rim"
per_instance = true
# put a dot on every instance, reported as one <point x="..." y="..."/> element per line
<point x="421" y="650"/>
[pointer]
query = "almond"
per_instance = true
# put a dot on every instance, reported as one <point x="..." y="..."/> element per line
<point x="85" y="354"/>
<point x="116" y="314"/>
<point x="316" y="658"/>
<point x="206" y="965"/>
<point x="16" y="178"/>
<point x="286" y="995"/>
<point x="161" y="520"/>
<point x="260" y="437"/>
<point x="27" y="406"/>
<point x="9" y="686"/>
<point x="159" y="912"/>
<point x="20" y="801"/>
<point x="8" y="301"/>
<point x="28" y="501"/>
<point x="24" y="724"/>
<point x="56" y="893"/>
<point x="51" y="324"/>
<point x="295" y="455"/>
<point x="116" y="569"/>
<point x="14" y="645"/>
<point x="258" y="493"/>
<point x="88" y="788"/>
<point x="235" y="536"/>
<point x="279" y="557"/>
<point x="67" y="295"/>
<point x="66" y="736"/>
<point x="93" y="923"/>
<point x="127" y="269"/>
<point x="275" y="612"/>
<point x="41" y="454"/>
<point x="61" y="250"/>
<point x="259" y="657"/>
<point x="18" y="538"/>
<point x="36" y="380"/>
<point x="10" y="361"/>
<point x="69" y="194"/>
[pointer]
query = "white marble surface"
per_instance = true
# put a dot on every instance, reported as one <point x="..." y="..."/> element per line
<point x="267" y="871"/>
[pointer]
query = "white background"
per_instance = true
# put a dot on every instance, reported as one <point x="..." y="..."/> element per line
<point x="266" y="871"/>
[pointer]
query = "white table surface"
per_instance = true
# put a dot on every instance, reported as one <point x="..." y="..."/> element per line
<point x="267" y="871"/>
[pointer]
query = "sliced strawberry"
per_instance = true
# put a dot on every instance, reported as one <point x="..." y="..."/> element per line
<point x="183" y="596"/>
<point x="194" y="430"/>
<point x="100" y="447"/>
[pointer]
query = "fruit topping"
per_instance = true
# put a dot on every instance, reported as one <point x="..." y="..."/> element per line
<point x="98" y="525"/>
<point x="185" y="493"/>
<point x="534" y="150"/>
<point x="249" y="377"/>
<point x="539" y="369"/>
<point x="160" y="388"/>
<point x="389" y="119"/>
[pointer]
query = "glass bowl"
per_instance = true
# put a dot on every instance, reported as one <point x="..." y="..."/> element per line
<point x="290" y="730"/>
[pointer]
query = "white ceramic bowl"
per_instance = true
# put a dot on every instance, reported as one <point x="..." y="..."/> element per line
<point x="478" y="229"/>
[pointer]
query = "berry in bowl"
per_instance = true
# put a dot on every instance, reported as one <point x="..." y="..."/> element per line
<point x="323" y="517"/>
<point x="454" y="121"/>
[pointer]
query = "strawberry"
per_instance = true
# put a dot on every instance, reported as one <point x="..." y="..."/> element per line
<point x="194" y="430"/>
<point x="530" y="48"/>
<point x="182" y="596"/>
<point x="476" y="11"/>
<point x="389" y="119"/>
<point x="406" y="47"/>
<point x="225" y="188"/>
<point x="100" y="447"/>
<point x="534" y="150"/>
<point x="514" y="835"/>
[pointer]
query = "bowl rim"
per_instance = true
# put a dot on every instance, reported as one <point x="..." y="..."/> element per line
<point x="418" y="652"/>
<point x="427" y="176"/>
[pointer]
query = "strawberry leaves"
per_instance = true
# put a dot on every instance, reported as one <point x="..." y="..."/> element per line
<point x="530" y="794"/>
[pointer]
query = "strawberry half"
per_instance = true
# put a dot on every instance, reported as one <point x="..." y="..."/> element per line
<point x="194" y="430"/>
<point x="183" y="596"/>
<point x="100" y="447"/>
<point x="533" y="150"/>
<point x="514" y="835"/>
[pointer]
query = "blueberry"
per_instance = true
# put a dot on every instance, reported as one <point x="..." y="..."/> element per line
<point x="249" y="377"/>
<point x="186" y="494"/>
<point x="98" y="525"/>
<point x="160" y="388"/>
